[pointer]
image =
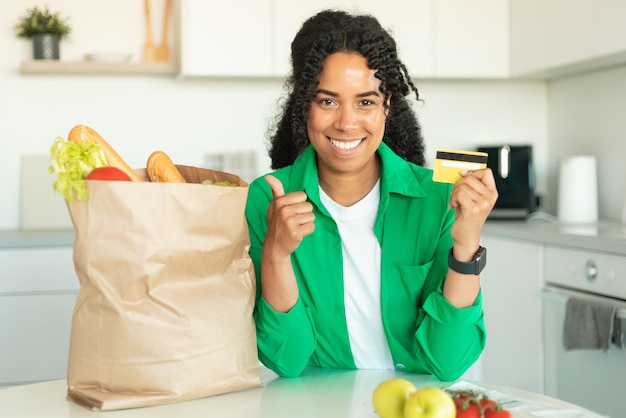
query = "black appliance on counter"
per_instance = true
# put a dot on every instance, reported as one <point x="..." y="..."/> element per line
<point x="513" y="170"/>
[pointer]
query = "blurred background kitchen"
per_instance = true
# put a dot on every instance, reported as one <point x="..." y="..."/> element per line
<point x="545" y="74"/>
<point x="234" y="58"/>
<point x="548" y="74"/>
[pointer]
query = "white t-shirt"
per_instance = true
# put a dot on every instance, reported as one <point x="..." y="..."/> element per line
<point x="361" y="277"/>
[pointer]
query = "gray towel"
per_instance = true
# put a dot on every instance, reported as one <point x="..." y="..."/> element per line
<point x="619" y="332"/>
<point x="588" y="325"/>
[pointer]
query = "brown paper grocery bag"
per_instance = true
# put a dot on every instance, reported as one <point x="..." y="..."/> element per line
<point x="164" y="310"/>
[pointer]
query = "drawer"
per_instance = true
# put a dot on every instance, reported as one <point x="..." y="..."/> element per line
<point x="35" y="338"/>
<point x="37" y="270"/>
<point x="597" y="272"/>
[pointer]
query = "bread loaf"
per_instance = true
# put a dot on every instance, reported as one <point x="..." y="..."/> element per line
<point x="160" y="168"/>
<point x="82" y="133"/>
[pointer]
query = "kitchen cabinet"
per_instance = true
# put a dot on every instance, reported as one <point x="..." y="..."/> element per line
<point x="288" y="16"/>
<point x="471" y="39"/>
<point x="436" y="38"/>
<point x="590" y="377"/>
<point x="551" y="38"/>
<point x="38" y="289"/>
<point x="410" y="23"/>
<point x="523" y="259"/>
<point x="234" y="39"/>
<point x="440" y="38"/>
<point x="511" y="285"/>
<point x="35" y="337"/>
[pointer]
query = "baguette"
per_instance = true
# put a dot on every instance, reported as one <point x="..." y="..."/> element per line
<point x="81" y="133"/>
<point x="160" y="168"/>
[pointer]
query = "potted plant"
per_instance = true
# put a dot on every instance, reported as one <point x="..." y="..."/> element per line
<point x="46" y="29"/>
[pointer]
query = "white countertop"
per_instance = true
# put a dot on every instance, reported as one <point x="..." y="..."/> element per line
<point x="605" y="236"/>
<point x="317" y="393"/>
<point x="36" y="238"/>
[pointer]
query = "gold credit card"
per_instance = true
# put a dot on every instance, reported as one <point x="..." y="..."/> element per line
<point x="449" y="164"/>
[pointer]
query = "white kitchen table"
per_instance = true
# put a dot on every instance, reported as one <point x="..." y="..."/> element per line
<point x="319" y="393"/>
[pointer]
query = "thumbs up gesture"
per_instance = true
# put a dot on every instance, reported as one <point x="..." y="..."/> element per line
<point x="290" y="218"/>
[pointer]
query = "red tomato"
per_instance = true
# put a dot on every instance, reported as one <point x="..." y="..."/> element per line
<point x="460" y="398"/>
<point x="470" y="411"/>
<point x="488" y="403"/>
<point x="108" y="173"/>
<point x="476" y="405"/>
<point x="493" y="413"/>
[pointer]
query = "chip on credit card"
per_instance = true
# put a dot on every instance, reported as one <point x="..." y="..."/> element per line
<point x="449" y="164"/>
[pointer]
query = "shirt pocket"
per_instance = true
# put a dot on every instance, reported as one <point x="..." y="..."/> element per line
<point x="404" y="284"/>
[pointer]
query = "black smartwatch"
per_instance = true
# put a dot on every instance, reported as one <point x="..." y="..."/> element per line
<point x="471" y="267"/>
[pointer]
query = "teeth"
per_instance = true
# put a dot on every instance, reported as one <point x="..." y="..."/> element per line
<point x="345" y="145"/>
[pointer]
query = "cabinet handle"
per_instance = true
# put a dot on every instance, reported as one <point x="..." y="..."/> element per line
<point x="591" y="271"/>
<point x="505" y="159"/>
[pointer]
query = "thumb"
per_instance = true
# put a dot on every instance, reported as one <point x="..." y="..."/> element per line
<point x="276" y="186"/>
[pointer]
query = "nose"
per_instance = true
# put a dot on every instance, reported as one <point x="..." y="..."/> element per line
<point x="346" y="119"/>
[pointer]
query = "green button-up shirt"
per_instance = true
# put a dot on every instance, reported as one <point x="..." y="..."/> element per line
<point x="425" y="333"/>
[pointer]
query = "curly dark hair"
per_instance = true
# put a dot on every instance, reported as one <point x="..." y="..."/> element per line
<point x="333" y="31"/>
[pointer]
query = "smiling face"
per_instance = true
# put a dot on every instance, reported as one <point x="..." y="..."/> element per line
<point x="347" y="119"/>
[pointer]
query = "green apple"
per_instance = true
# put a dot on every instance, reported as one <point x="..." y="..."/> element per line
<point x="429" y="402"/>
<point x="390" y="396"/>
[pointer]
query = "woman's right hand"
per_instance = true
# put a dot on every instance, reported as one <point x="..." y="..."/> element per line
<point x="289" y="219"/>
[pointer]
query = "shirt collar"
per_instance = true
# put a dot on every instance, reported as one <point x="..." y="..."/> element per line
<point x="398" y="175"/>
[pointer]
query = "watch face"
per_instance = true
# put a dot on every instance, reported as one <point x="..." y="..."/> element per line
<point x="481" y="258"/>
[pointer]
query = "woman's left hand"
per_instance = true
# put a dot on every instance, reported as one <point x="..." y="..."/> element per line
<point x="473" y="196"/>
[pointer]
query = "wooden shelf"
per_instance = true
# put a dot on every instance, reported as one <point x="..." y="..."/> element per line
<point x="92" y="67"/>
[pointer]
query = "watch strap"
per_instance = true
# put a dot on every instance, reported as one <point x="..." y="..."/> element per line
<point x="470" y="267"/>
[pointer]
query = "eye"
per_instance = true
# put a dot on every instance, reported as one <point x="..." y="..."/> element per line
<point x="367" y="102"/>
<point x="325" y="102"/>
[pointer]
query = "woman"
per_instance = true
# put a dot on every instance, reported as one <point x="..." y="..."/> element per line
<point x="350" y="237"/>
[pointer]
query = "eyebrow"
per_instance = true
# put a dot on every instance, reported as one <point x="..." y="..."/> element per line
<point x="364" y="94"/>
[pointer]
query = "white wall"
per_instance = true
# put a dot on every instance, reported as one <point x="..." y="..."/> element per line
<point x="191" y="118"/>
<point x="587" y="116"/>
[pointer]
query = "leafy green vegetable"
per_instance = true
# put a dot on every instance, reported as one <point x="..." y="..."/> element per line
<point x="71" y="162"/>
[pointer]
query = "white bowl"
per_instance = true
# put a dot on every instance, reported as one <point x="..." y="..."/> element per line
<point x="108" y="57"/>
